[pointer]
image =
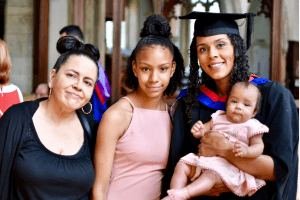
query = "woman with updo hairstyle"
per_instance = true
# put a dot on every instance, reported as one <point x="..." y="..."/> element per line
<point x="45" y="146"/>
<point x="10" y="94"/>
<point x="133" y="138"/>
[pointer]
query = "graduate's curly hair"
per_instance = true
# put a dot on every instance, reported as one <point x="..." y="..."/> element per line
<point x="240" y="72"/>
<point x="156" y="31"/>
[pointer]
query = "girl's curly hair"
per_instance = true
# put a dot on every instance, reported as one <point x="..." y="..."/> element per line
<point x="156" y="31"/>
<point x="240" y="72"/>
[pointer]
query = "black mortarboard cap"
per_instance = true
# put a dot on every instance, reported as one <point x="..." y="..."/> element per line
<point x="208" y="24"/>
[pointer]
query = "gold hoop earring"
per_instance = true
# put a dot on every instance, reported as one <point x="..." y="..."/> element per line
<point x="50" y="92"/>
<point x="90" y="109"/>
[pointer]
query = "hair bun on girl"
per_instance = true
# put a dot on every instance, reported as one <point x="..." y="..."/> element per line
<point x="156" y="25"/>
<point x="68" y="43"/>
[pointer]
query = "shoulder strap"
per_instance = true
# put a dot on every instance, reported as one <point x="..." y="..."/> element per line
<point x="84" y="121"/>
<point x="129" y="101"/>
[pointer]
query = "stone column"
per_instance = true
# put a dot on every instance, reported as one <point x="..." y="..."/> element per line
<point x="19" y="39"/>
<point x="101" y="30"/>
<point x="89" y="21"/>
<point x="58" y="18"/>
<point x="132" y="24"/>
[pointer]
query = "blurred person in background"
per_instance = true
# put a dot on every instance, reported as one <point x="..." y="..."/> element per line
<point x="42" y="90"/>
<point x="72" y="30"/>
<point x="10" y="94"/>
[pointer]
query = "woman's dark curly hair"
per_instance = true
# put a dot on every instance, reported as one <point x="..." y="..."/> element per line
<point x="156" y="31"/>
<point x="240" y="72"/>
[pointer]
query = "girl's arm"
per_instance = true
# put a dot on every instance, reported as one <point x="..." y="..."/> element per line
<point x="114" y="123"/>
<point x="215" y="144"/>
<point x="255" y="148"/>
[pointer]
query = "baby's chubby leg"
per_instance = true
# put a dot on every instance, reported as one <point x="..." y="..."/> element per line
<point x="197" y="188"/>
<point x="203" y="183"/>
<point x="182" y="173"/>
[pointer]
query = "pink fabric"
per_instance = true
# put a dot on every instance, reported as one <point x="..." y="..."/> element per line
<point x="237" y="181"/>
<point x="233" y="132"/>
<point x="141" y="156"/>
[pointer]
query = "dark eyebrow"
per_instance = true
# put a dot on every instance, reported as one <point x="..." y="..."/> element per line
<point x="201" y="44"/>
<point x="76" y="72"/>
<point x="150" y="64"/>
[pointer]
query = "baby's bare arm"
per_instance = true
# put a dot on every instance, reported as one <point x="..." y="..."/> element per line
<point x="199" y="129"/>
<point x="255" y="149"/>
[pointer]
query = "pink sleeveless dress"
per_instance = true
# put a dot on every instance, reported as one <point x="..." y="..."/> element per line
<point x="239" y="182"/>
<point x="141" y="156"/>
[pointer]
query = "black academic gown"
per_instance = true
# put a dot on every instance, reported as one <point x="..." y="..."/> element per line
<point x="279" y="113"/>
<point x="13" y="126"/>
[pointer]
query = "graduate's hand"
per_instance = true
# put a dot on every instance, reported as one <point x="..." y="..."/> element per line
<point x="214" y="144"/>
<point x="217" y="189"/>
<point x="198" y="129"/>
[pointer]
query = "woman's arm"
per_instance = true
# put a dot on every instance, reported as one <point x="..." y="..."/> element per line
<point x="114" y="123"/>
<point x="215" y="144"/>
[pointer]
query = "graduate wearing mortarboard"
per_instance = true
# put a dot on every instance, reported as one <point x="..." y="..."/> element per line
<point x="221" y="53"/>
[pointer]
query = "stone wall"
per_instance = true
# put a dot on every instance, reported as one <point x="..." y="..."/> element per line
<point x="58" y="18"/>
<point x="19" y="39"/>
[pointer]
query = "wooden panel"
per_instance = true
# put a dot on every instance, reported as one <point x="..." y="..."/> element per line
<point x="292" y="68"/>
<point x="276" y="42"/>
<point x="168" y="7"/>
<point x="110" y="9"/>
<point x="40" y="57"/>
<point x="79" y="13"/>
<point x="2" y="25"/>
<point x="116" y="55"/>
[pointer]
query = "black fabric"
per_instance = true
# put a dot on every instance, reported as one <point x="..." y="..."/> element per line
<point x="41" y="174"/>
<point x="13" y="126"/>
<point x="93" y="124"/>
<point x="279" y="113"/>
<point x="208" y="24"/>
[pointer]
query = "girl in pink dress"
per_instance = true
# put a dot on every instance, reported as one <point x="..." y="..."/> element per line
<point x="194" y="176"/>
<point x="134" y="135"/>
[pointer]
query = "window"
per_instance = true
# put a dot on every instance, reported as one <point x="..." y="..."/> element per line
<point x="109" y="35"/>
<point x="200" y="7"/>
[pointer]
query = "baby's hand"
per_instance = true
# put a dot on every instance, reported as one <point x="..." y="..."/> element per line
<point x="240" y="149"/>
<point x="198" y="129"/>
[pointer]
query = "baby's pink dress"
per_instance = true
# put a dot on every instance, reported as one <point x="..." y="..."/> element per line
<point x="239" y="182"/>
<point x="141" y="156"/>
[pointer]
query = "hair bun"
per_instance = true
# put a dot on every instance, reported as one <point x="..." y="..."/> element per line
<point x="93" y="50"/>
<point x="68" y="43"/>
<point x="156" y="25"/>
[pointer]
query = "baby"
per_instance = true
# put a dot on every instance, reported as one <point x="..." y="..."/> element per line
<point x="237" y="125"/>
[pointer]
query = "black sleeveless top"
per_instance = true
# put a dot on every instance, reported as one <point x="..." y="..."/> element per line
<point x="41" y="174"/>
